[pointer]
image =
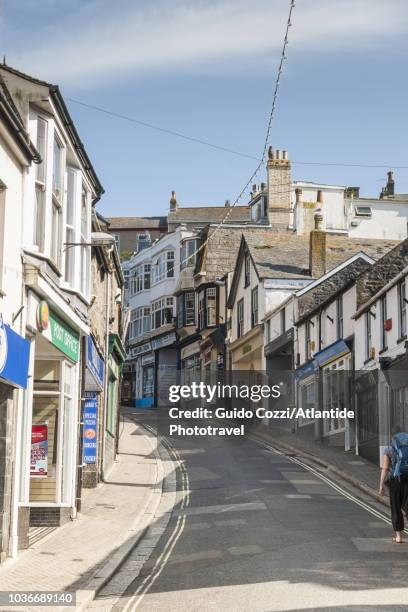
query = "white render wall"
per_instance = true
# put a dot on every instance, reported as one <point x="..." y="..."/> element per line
<point x="389" y="220"/>
<point x="395" y="348"/>
<point x="245" y="293"/>
<point x="12" y="175"/>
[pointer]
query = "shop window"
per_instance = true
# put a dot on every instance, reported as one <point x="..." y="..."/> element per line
<point x="335" y="393"/>
<point x="112" y="405"/>
<point x="308" y="399"/>
<point x="53" y="432"/>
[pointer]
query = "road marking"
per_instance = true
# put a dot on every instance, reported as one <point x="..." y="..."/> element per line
<point x="331" y="484"/>
<point x="221" y="508"/>
<point x="161" y="561"/>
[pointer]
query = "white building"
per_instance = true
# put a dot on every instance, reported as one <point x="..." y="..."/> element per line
<point x="152" y="278"/>
<point x="52" y="233"/>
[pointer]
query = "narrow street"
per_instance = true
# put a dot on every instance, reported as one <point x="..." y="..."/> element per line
<point x="254" y="530"/>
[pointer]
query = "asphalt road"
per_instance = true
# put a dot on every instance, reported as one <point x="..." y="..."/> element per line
<point x="254" y="530"/>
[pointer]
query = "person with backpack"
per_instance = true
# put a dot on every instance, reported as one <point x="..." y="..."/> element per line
<point x="395" y="473"/>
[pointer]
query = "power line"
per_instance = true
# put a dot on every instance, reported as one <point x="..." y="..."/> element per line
<point x="212" y="145"/>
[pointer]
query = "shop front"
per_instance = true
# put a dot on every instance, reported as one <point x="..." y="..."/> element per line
<point x="49" y="428"/>
<point x="247" y="352"/>
<point x="115" y="363"/>
<point x="92" y="408"/>
<point x="14" y="362"/>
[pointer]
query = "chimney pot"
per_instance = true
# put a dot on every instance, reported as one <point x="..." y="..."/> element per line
<point x="263" y="186"/>
<point x="320" y="196"/>
<point x="298" y="194"/>
<point x="284" y="155"/>
<point x="278" y="154"/>
<point x="173" y="201"/>
<point x="317" y="248"/>
<point x="227" y="203"/>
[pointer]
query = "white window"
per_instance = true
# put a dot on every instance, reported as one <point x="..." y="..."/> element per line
<point x="340" y="317"/>
<point x="254" y="306"/>
<point x="247" y="275"/>
<point x="211" y="309"/>
<point x="163" y="267"/>
<point x="40" y="185"/>
<point x="56" y="208"/>
<point x="368" y="339"/>
<point x="140" y="321"/>
<point x="240" y="317"/>
<point x="85" y="249"/>
<point x="190" y="308"/>
<point x="188" y="253"/>
<point x="402" y="310"/>
<point x="70" y="233"/>
<point x="162" y="312"/>
<point x="383" y="308"/>
<point x="362" y="211"/>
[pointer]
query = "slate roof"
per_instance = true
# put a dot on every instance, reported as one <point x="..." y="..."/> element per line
<point x="286" y="255"/>
<point x="326" y="291"/>
<point x="382" y="273"/>
<point x="220" y="254"/>
<point x="209" y="214"/>
<point x="132" y="223"/>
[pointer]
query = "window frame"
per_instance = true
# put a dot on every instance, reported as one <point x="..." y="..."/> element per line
<point x="247" y="270"/>
<point x="240" y="318"/>
<point x="368" y="335"/>
<point x="402" y="309"/>
<point x="160" y="310"/>
<point x="40" y="193"/>
<point x="383" y="318"/>
<point x="339" y="317"/>
<point x="254" y="306"/>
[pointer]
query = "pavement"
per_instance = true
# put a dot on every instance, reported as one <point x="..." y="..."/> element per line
<point x="83" y="554"/>
<point x="254" y="528"/>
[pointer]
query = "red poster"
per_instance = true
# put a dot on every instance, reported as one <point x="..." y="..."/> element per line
<point x="39" y="450"/>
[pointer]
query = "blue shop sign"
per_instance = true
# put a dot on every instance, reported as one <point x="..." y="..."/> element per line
<point x="95" y="365"/>
<point x="14" y="357"/>
<point x="306" y="370"/>
<point x="90" y="428"/>
<point x="337" y="349"/>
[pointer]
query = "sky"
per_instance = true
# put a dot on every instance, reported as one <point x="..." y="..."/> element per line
<point x="206" y="68"/>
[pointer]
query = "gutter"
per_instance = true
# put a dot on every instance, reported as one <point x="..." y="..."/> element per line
<point x="79" y="147"/>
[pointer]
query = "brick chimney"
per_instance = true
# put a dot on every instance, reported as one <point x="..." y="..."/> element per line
<point x="279" y="189"/>
<point x="389" y="188"/>
<point x="317" y="248"/>
<point x="173" y="202"/>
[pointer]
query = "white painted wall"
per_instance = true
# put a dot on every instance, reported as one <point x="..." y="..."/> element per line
<point x="389" y="220"/>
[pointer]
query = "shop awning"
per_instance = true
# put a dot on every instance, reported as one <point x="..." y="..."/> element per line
<point x="306" y="370"/>
<point x="14" y="357"/>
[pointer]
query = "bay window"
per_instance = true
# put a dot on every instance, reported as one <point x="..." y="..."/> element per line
<point x="70" y="227"/>
<point x="40" y="185"/>
<point x="85" y="259"/>
<point x="56" y="208"/>
<point x="163" y="267"/>
<point x="162" y="312"/>
<point x="140" y="321"/>
<point x="186" y="309"/>
<point x="188" y="253"/>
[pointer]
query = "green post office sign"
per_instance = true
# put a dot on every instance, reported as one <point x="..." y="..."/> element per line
<point x="61" y="335"/>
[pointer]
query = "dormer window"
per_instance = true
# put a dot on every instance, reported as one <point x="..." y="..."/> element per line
<point x="362" y="211"/>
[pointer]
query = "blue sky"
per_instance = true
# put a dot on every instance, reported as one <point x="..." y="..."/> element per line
<point x="206" y="68"/>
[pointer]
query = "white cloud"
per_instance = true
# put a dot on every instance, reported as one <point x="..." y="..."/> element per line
<point x="104" y="40"/>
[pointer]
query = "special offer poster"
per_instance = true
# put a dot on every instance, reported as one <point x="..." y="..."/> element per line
<point x="39" y="450"/>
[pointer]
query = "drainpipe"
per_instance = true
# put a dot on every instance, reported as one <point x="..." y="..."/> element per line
<point x="81" y="394"/>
